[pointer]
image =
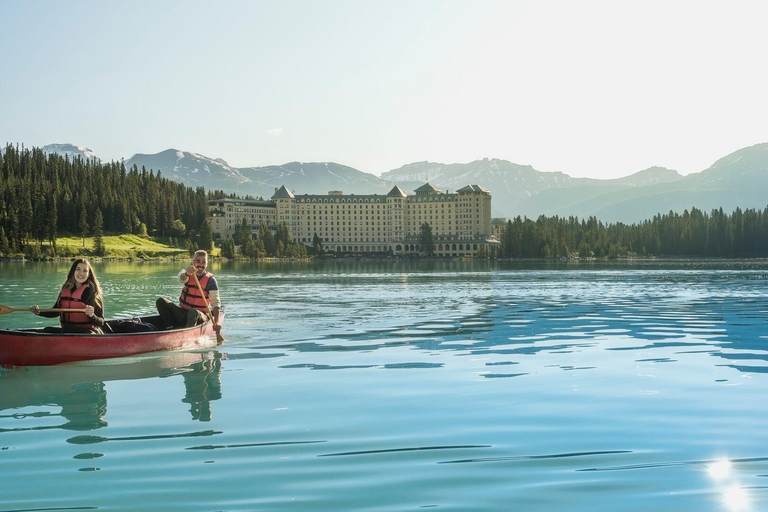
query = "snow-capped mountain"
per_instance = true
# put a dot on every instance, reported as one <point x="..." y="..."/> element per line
<point x="521" y="189"/>
<point x="650" y="176"/>
<point x="191" y="169"/>
<point x="71" y="151"/>
<point x="736" y="180"/>
<point x="512" y="181"/>
<point x="305" y="178"/>
<point x="314" y="178"/>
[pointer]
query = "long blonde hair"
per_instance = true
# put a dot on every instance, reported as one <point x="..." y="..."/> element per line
<point x="92" y="280"/>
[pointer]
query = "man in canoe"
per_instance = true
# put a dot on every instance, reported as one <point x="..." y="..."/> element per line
<point x="193" y="308"/>
<point x="81" y="290"/>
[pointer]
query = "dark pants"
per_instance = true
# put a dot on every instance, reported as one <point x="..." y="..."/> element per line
<point x="73" y="329"/>
<point x="175" y="316"/>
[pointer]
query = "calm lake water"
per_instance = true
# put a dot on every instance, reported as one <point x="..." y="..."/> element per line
<point x="392" y="386"/>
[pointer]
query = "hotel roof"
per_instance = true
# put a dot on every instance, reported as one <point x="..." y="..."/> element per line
<point x="474" y="188"/>
<point x="283" y="193"/>
<point x="427" y="187"/>
<point x="396" y="192"/>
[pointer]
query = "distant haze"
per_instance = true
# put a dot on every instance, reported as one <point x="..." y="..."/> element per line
<point x="739" y="179"/>
<point x="596" y="88"/>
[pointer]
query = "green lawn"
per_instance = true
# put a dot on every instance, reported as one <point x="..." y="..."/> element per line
<point x="119" y="246"/>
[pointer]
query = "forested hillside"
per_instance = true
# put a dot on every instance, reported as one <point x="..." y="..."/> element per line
<point x="741" y="234"/>
<point x="42" y="196"/>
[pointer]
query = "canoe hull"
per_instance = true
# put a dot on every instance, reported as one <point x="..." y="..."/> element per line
<point x="33" y="347"/>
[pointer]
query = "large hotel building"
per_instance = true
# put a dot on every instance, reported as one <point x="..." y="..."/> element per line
<point x="369" y="224"/>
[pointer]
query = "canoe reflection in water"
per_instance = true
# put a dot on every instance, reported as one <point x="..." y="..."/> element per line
<point x="31" y="393"/>
<point x="202" y="381"/>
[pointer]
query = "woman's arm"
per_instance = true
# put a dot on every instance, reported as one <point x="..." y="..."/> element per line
<point x="98" y="311"/>
<point x="52" y="314"/>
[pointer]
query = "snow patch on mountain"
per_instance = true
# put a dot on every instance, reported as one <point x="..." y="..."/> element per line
<point x="71" y="151"/>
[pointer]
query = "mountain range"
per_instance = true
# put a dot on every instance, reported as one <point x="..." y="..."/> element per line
<point x="736" y="180"/>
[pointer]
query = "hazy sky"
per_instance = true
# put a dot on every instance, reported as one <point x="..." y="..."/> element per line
<point x="590" y="88"/>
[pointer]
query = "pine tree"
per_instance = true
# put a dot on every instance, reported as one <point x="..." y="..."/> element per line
<point x="260" y="251"/>
<point x="52" y="222"/>
<point x="248" y="248"/>
<point x="83" y="221"/>
<point x="14" y="233"/>
<point x="267" y="240"/>
<point x="206" y="237"/>
<point x="242" y="232"/>
<point x="25" y="214"/>
<point x="228" y="249"/>
<point x="584" y="250"/>
<point x="98" y="235"/>
<point x="39" y="213"/>
<point x="283" y="235"/>
<point x="427" y="240"/>
<point x="5" y="247"/>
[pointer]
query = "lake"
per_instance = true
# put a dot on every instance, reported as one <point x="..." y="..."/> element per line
<point x="406" y="385"/>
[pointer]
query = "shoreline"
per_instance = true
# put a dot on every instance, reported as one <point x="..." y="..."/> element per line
<point x="633" y="259"/>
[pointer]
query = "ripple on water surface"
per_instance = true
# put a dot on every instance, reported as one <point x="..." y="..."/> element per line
<point x="397" y="386"/>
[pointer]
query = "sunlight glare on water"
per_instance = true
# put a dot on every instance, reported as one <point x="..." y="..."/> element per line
<point x="402" y="385"/>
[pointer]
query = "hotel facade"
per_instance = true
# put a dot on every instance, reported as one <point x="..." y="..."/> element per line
<point x="369" y="224"/>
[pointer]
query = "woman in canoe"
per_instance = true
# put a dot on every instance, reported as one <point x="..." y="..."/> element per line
<point x="81" y="290"/>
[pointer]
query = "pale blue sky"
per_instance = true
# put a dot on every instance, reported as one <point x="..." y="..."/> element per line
<point x="590" y="88"/>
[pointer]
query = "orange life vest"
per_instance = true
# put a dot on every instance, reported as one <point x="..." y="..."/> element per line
<point x="190" y="295"/>
<point x="74" y="300"/>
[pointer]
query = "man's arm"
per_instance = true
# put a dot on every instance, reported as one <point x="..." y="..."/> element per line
<point x="214" y="300"/>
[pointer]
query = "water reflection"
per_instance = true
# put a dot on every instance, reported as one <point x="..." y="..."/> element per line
<point x="735" y="498"/>
<point x="461" y="386"/>
<point x="656" y="317"/>
<point x="79" y="392"/>
<point x="719" y="470"/>
<point x="202" y="381"/>
<point x="733" y="495"/>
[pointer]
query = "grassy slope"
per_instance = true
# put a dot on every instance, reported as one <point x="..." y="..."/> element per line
<point x="120" y="246"/>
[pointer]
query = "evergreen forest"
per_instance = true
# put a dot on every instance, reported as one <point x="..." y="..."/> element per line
<point x="741" y="234"/>
<point x="44" y="196"/>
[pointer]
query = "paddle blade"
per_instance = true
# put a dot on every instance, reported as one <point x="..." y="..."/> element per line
<point x="4" y="310"/>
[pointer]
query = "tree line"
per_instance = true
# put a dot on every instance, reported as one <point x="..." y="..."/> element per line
<point x="266" y="244"/>
<point x="741" y="234"/>
<point x="43" y="196"/>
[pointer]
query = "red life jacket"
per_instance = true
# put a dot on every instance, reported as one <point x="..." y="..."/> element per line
<point x="190" y="295"/>
<point x="74" y="300"/>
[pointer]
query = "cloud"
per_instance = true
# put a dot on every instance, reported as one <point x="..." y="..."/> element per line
<point x="275" y="132"/>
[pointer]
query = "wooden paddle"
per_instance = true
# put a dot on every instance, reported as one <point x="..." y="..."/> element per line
<point x="219" y="337"/>
<point x="4" y="310"/>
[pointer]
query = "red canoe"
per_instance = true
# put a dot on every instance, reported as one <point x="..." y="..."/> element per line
<point x="32" y="347"/>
